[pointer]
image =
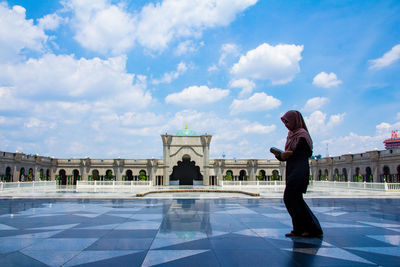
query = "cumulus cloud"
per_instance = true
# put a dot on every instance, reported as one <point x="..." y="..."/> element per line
<point x="355" y="143"/>
<point x="18" y="33"/>
<point x="65" y="77"/>
<point x="319" y="125"/>
<point x="257" y="102"/>
<point x="160" y="23"/>
<point x="50" y="22"/>
<point x="315" y="104"/>
<point x="387" y="59"/>
<point x="170" y="76"/>
<point x="228" y="50"/>
<point x="278" y="63"/>
<point x="187" y="46"/>
<point x="196" y="95"/>
<point x="105" y="27"/>
<point x="101" y="26"/>
<point x="259" y="128"/>
<point x="246" y="85"/>
<point x="326" y="80"/>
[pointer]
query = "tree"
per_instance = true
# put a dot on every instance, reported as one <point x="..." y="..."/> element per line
<point x="228" y="176"/>
<point x="142" y="176"/>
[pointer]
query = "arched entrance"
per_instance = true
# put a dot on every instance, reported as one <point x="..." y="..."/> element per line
<point x="336" y="175"/>
<point x="242" y="175"/>
<point x="62" y="177"/>
<point x="95" y="175"/>
<point x="22" y="175"/>
<point x="76" y="176"/>
<point x="186" y="172"/>
<point x="7" y="178"/>
<point x="368" y="174"/>
<point x="344" y="174"/>
<point x="128" y="175"/>
<point x="386" y="174"/>
<point x="261" y="175"/>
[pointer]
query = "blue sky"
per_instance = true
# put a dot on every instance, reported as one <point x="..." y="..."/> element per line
<point x="105" y="78"/>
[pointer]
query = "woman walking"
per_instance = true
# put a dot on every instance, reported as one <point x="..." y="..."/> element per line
<point x="298" y="149"/>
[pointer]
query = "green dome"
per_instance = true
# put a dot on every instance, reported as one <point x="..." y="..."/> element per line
<point x="186" y="131"/>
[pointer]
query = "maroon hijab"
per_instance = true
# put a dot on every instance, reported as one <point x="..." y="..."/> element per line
<point x="300" y="130"/>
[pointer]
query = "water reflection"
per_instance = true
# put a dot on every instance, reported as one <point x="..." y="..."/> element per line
<point x="303" y="246"/>
<point x="186" y="218"/>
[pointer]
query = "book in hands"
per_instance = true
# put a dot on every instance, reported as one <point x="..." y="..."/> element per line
<point x="275" y="150"/>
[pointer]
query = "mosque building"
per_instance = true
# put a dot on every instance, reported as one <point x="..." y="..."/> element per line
<point x="186" y="161"/>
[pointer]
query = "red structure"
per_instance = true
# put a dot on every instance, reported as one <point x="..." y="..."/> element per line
<point x="393" y="142"/>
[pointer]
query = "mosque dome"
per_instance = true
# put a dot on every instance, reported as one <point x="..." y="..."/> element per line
<point x="186" y="131"/>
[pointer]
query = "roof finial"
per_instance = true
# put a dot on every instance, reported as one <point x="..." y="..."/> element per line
<point x="186" y="126"/>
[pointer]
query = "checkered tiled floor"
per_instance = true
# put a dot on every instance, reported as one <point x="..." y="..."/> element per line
<point x="195" y="232"/>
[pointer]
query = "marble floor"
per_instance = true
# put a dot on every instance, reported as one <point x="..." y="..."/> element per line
<point x="195" y="232"/>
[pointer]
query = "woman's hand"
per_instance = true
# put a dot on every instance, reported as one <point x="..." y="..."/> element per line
<point x="285" y="155"/>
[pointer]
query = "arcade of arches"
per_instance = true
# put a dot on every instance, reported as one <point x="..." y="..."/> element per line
<point x="186" y="161"/>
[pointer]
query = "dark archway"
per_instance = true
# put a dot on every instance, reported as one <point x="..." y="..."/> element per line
<point x="95" y="175"/>
<point x="62" y="177"/>
<point x="31" y="175"/>
<point x="22" y="176"/>
<point x="47" y="175"/>
<point x="275" y="175"/>
<point x="76" y="176"/>
<point x="186" y="171"/>
<point x="336" y="175"/>
<point x="109" y="175"/>
<point x="368" y="175"/>
<point x="242" y="175"/>
<point x="386" y="174"/>
<point x="7" y="178"/>
<point x="319" y="175"/>
<point x="261" y="175"/>
<point x="41" y="175"/>
<point x="357" y="177"/>
<point x="344" y="174"/>
<point x="326" y="175"/>
<point x="128" y="175"/>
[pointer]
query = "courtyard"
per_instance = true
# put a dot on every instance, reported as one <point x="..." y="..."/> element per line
<point x="193" y="230"/>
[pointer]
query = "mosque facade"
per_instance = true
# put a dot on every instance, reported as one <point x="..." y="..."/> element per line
<point x="186" y="161"/>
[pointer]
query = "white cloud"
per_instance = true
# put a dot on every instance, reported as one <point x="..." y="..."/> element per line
<point x="102" y="27"/>
<point x="315" y="103"/>
<point x="318" y="125"/>
<point x="278" y="63"/>
<point x="63" y="77"/>
<point x="50" y="22"/>
<point x="17" y="33"/>
<point x="212" y="68"/>
<point x="109" y="28"/>
<point x="257" y="102"/>
<point x="186" y="47"/>
<point x="387" y="59"/>
<point x="160" y="23"/>
<point x="197" y="95"/>
<point x="355" y="143"/>
<point x="246" y="85"/>
<point x="326" y="80"/>
<point x="228" y="50"/>
<point x="259" y="128"/>
<point x="170" y="76"/>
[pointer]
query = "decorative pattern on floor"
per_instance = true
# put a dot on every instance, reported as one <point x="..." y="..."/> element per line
<point x="195" y="232"/>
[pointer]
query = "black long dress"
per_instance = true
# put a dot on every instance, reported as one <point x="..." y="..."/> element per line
<point x="297" y="174"/>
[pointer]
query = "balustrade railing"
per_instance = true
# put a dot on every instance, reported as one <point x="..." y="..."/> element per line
<point x="253" y="183"/>
<point x="27" y="185"/>
<point x="112" y="184"/>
